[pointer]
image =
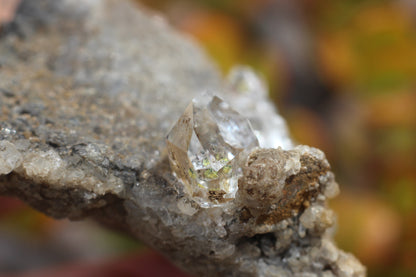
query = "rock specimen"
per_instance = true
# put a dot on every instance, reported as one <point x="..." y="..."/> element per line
<point x="88" y="92"/>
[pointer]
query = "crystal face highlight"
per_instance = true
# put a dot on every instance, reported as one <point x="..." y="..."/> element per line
<point x="204" y="148"/>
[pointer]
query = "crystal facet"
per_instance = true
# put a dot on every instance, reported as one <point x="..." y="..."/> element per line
<point x="204" y="148"/>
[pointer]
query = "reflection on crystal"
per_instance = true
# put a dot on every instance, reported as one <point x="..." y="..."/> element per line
<point x="204" y="148"/>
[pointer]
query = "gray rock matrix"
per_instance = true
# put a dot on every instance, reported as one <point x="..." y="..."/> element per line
<point x="89" y="90"/>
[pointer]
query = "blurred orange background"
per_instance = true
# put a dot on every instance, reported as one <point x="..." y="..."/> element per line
<point x="343" y="74"/>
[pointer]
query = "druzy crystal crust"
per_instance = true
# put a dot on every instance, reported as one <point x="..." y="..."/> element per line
<point x="204" y="148"/>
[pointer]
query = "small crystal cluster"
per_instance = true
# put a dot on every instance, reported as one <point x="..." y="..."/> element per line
<point x="205" y="146"/>
<point x="249" y="93"/>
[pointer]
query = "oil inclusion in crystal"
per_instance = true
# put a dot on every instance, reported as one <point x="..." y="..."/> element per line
<point x="204" y="148"/>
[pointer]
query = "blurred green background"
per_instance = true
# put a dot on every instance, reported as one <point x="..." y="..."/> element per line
<point x="343" y="74"/>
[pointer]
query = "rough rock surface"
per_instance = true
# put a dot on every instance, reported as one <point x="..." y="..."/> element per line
<point x="88" y="92"/>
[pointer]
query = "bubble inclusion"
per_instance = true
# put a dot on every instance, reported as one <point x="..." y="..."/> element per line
<point x="204" y="148"/>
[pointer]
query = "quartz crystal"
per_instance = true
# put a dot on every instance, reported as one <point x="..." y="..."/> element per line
<point x="204" y="149"/>
<point x="250" y="94"/>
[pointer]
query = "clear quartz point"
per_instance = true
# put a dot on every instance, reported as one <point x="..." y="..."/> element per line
<point x="205" y="146"/>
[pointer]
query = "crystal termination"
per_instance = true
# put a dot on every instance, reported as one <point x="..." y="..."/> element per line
<point x="205" y="147"/>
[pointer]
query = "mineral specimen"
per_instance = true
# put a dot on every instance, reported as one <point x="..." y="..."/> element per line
<point x="89" y="90"/>
<point x="205" y="146"/>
